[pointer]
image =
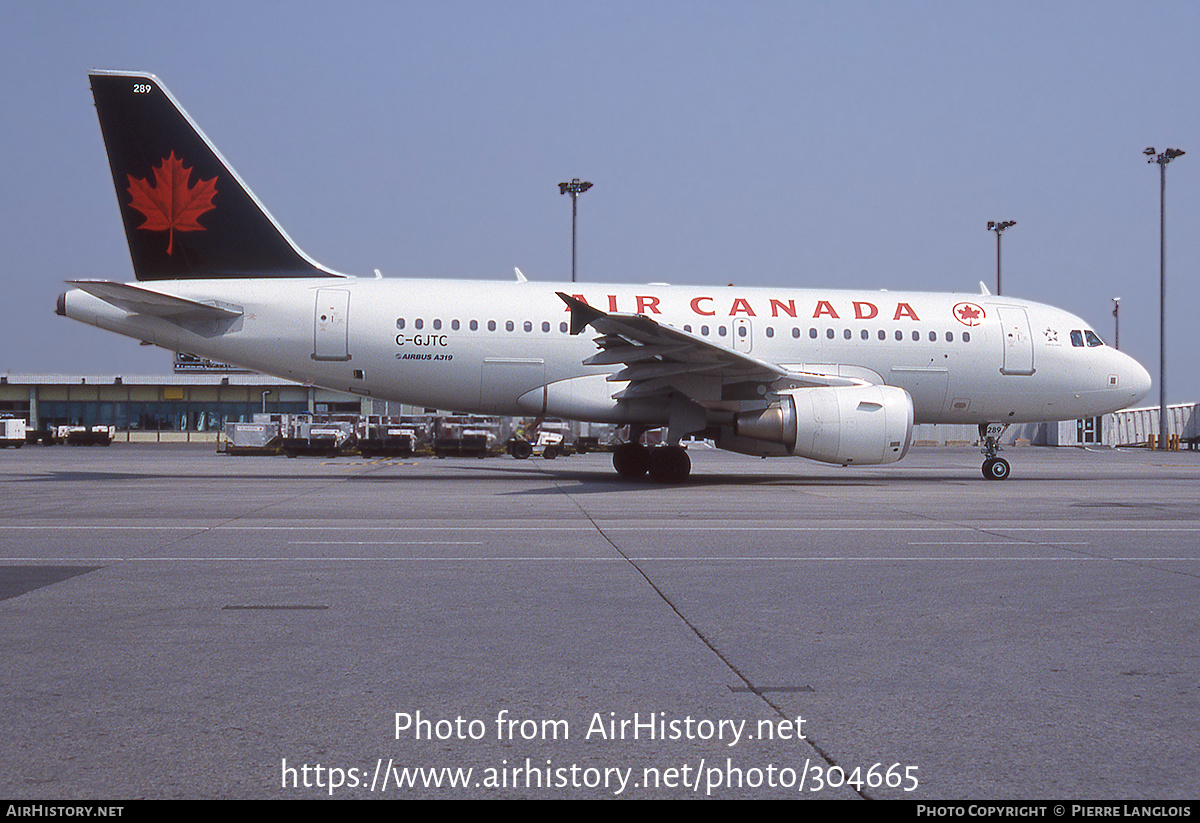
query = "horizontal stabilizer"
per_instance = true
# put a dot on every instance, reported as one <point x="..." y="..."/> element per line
<point x="143" y="301"/>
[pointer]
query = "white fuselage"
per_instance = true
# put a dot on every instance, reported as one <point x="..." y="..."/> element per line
<point x="504" y="347"/>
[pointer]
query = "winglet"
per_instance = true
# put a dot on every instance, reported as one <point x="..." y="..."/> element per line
<point x="581" y="313"/>
<point x="983" y="289"/>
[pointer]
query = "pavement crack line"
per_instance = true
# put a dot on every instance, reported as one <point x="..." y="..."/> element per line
<point x="817" y="747"/>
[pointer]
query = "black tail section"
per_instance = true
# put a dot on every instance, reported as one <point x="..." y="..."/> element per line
<point x="187" y="214"/>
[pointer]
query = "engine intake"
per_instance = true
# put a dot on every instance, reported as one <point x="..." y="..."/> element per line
<point x="843" y="424"/>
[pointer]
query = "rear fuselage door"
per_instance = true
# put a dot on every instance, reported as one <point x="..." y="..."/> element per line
<point x="331" y="329"/>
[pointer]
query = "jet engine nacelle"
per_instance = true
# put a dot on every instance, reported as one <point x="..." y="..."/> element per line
<point x="841" y="424"/>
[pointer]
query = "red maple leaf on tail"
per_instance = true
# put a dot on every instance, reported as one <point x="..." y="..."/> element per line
<point x="170" y="204"/>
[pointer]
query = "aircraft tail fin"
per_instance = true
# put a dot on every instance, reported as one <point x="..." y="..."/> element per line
<point x="187" y="214"/>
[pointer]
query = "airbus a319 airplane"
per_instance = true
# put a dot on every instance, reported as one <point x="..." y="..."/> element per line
<point x="832" y="375"/>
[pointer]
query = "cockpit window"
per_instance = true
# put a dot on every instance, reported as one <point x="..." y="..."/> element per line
<point x="1077" y="338"/>
<point x="1093" y="339"/>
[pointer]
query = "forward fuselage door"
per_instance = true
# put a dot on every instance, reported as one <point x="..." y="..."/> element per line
<point x="1018" y="341"/>
<point x="331" y="325"/>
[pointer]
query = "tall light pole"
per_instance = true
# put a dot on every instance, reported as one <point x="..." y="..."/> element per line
<point x="997" y="228"/>
<point x="1162" y="160"/>
<point x="1117" y="323"/>
<point x="574" y="188"/>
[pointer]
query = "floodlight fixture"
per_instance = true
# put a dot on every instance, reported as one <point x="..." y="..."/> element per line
<point x="997" y="227"/>
<point x="575" y="188"/>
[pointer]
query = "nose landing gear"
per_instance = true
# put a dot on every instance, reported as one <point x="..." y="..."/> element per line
<point x="994" y="468"/>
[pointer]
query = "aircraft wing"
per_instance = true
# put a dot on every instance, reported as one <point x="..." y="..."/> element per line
<point x="659" y="359"/>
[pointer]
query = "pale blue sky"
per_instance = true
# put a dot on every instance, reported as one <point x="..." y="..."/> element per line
<point x="849" y="144"/>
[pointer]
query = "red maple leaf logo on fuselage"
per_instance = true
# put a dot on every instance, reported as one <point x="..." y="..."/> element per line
<point x="170" y="204"/>
<point x="969" y="314"/>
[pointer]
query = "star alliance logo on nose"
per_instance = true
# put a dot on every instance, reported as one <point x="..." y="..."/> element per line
<point x="969" y="314"/>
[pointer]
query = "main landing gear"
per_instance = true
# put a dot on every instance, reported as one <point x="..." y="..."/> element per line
<point x="664" y="464"/>
<point x="994" y="468"/>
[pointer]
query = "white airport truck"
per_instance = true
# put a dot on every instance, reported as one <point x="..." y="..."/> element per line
<point x="12" y="432"/>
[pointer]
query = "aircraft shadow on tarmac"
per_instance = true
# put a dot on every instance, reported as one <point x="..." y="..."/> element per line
<point x="599" y="479"/>
<point x="19" y="580"/>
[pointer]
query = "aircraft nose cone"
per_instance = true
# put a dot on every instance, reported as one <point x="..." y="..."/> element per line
<point x="1137" y="379"/>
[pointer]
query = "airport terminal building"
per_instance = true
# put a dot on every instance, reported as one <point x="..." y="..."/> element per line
<point x="177" y="407"/>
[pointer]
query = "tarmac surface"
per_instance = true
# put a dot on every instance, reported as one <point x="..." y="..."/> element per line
<point x="175" y="623"/>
